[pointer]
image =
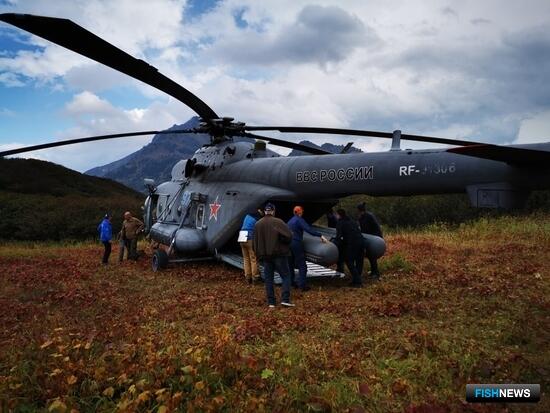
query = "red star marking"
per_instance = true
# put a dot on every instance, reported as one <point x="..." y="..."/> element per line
<point x="214" y="208"/>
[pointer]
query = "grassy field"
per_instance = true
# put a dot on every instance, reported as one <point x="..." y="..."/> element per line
<point x="456" y="306"/>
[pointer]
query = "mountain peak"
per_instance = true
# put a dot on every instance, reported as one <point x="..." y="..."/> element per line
<point x="194" y="122"/>
<point x="156" y="159"/>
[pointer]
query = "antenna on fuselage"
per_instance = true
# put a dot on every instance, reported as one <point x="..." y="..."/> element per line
<point x="396" y="140"/>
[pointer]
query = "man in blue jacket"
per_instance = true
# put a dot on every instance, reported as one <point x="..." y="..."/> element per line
<point x="298" y="225"/>
<point x="105" y="230"/>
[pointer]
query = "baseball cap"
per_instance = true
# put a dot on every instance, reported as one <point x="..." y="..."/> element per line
<point x="269" y="207"/>
<point x="298" y="209"/>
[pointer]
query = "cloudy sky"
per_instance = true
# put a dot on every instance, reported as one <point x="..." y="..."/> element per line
<point x="470" y="69"/>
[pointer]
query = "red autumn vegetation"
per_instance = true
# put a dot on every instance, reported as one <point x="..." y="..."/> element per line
<point x="456" y="306"/>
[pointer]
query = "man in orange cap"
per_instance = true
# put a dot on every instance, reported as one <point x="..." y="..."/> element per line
<point x="298" y="225"/>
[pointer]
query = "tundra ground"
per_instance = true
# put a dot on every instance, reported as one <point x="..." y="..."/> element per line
<point x="455" y="306"/>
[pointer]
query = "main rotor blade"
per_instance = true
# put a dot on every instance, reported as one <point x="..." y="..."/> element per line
<point x="355" y="132"/>
<point x="70" y="35"/>
<point x="287" y="144"/>
<point x="90" y="139"/>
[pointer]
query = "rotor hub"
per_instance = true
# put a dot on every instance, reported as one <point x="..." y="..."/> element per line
<point x="218" y="128"/>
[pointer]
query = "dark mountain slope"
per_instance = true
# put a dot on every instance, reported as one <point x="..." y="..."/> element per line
<point x="41" y="200"/>
<point x="31" y="176"/>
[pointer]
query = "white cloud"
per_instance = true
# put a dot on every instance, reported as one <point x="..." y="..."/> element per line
<point x="10" y="80"/>
<point x="95" y="78"/>
<point x="88" y="103"/>
<point x="133" y="26"/>
<point x="467" y="70"/>
<point x="96" y="115"/>
<point x="319" y="34"/>
<point x="43" y="66"/>
<point x="535" y="128"/>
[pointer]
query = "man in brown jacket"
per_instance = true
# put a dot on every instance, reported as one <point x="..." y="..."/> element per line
<point x="131" y="228"/>
<point x="272" y="246"/>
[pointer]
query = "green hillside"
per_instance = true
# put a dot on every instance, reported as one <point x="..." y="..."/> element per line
<point x="44" y="201"/>
<point x="400" y="212"/>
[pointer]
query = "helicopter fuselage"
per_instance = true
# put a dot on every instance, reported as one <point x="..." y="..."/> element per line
<point x="227" y="180"/>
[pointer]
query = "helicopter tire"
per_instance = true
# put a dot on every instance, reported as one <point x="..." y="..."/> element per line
<point x="160" y="260"/>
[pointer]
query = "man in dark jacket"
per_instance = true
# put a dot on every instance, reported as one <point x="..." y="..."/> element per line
<point x="271" y="245"/>
<point x="369" y="225"/>
<point x="348" y="235"/>
<point x="368" y="222"/>
<point x="298" y="225"/>
<point x="331" y="218"/>
<point x="105" y="230"/>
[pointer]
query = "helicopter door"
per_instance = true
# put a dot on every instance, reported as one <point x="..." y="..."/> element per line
<point x="150" y="211"/>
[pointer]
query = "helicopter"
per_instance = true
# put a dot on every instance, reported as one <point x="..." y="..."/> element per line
<point x="198" y="213"/>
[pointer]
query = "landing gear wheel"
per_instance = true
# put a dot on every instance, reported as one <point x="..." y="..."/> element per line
<point x="160" y="260"/>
